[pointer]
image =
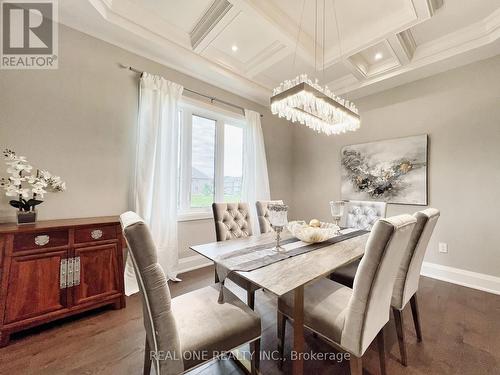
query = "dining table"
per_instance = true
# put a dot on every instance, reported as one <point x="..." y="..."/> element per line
<point x="290" y="274"/>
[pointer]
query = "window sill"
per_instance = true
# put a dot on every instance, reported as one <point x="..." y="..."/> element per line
<point x="191" y="216"/>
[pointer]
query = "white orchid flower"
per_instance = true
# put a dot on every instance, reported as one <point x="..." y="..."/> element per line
<point x="45" y="174"/>
<point x="39" y="191"/>
<point x="11" y="193"/>
<point x="17" y="180"/>
<point x="24" y="167"/>
<point x="12" y="171"/>
<point x="25" y="193"/>
<point x="40" y="183"/>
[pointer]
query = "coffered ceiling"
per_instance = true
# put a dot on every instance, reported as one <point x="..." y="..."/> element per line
<point x="250" y="46"/>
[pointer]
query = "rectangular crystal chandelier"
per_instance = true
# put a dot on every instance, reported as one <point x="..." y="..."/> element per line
<point x="306" y="102"/>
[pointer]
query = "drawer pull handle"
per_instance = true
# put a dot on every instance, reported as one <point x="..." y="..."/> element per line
<point x="69" y="273"/>
<point x="42" y="240"/>
<point x="76" y="271"/>
<point x="96" y="234"/>
<point x="62" y="273"/>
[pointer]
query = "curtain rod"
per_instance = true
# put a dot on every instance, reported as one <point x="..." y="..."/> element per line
<point x="211" y="98"/>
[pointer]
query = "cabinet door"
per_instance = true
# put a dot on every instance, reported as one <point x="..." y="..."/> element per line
<point x="98" y="268"/>
<point x="34" y="286"/>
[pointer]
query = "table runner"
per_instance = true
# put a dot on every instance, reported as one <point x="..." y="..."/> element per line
<point x="259" y="256"/>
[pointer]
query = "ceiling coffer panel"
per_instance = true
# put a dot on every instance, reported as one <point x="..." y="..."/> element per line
<point x="209" y="20"/>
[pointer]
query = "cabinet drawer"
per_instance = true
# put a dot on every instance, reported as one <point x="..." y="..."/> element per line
<point x="97" y="233"/>
<point x="39" y="240"/>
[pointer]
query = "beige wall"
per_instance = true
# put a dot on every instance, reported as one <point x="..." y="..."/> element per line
<point x="460" y="110"/>
<point x="79" y="122"/>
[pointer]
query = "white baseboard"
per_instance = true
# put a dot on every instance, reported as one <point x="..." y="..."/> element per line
<point x="193" y="263"/>
<point x="475" y="280"/>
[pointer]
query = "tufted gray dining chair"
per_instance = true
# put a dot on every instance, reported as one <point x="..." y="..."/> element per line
<point x="408" y="277"/>
<point x="186" y="331"/>
<point x="363" y="214"/>
<point x="263" y="215"/>
<point x="350" y="319"/>
<point x="232" y="221"/>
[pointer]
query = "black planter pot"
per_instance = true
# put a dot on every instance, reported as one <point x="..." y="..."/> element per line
<point x="26" y="217"/>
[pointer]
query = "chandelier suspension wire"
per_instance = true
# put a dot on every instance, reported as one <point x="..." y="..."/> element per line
<point x="298" y="35"/>
<point x="324" y="45"/>
<point x="315" y="35"/>
<point x="337" y="27"/>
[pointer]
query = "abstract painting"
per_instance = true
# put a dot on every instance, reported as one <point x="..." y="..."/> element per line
<point x="393" y="171"/>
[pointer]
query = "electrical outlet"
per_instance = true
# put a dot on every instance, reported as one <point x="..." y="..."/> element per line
<point x="443" y="247"/>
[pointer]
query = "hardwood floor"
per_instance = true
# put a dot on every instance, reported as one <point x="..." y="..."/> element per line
<point x="460" y="328"/>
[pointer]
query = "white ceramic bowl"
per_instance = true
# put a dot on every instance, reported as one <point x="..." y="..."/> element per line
<point x="305" y="233"/>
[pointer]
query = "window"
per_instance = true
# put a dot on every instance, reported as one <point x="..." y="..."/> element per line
<point x="233" y="165"/>
<point x="210" y="160"/>
<point x="202" y="161"/>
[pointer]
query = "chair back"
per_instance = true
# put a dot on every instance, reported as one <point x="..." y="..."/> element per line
<point x="363" y="214"/>
<point x="159" y="322"/>
<point x="263" y="215"/>
<point x="369" y="306"/>
<point x="232" y="220"/>
<point x="408" y="275"/>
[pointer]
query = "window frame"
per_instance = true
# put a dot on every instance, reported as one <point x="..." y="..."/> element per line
<point x="189" y="108"/>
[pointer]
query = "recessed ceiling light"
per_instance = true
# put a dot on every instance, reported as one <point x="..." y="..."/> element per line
<point x="378" y="56"/>
<point x="234" y="48"/>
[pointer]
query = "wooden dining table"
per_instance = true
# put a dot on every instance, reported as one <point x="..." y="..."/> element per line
<point x="291" y="274"/>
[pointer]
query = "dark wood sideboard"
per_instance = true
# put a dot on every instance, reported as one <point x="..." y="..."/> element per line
<point x="53" y="269"/>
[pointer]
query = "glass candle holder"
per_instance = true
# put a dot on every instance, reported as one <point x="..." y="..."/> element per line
<point x="278" y="219"/>
<point x="337" y="210"/>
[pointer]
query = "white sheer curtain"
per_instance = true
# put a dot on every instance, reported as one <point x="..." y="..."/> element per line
<point x="155" y="189"/>
<point x="255" y="184"/>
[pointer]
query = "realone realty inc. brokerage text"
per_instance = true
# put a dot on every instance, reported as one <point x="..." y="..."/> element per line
<point x="205" y="355"/>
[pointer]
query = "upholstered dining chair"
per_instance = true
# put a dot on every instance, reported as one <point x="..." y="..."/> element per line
<point x="358" y="215"/>
<point x="263" y="215"/>
<point x="186" y="331"/>
<point x="363" y="214"/>
<point x="350" y="319"/>
<point x="408" y="277"/>
<point x="232" y="220"/>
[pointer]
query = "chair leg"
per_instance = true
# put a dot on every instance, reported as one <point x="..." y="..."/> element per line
<point x="147" y="359"/>
<point x="255" y="352"/>
<point x="356" y="365"/>
<point x="416" y="316"/>
<point x="216" y="277"/>
<point x="381" y="351"/>
<point x="281" y="323"/>
<point x="398" y="319"/>
<point x="251" y="299"/>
